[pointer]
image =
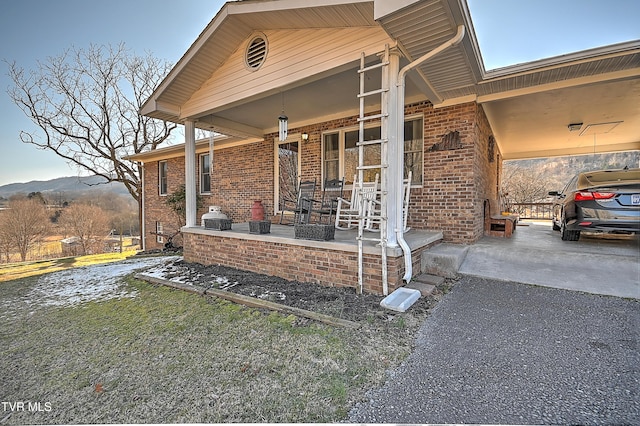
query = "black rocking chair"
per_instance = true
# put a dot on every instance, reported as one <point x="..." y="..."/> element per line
<point x="329" y="204"/>
<point x="301" y="207"/>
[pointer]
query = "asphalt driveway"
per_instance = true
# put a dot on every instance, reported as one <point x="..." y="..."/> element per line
<point x="500" y="352"/>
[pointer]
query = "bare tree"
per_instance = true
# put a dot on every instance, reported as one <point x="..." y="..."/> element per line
<point x="522" y="184"/>
<point x="6" y="246"/>
<point x="90" y="224"/>
<point x="24" y="225"/>
<point x="86" y="105"/>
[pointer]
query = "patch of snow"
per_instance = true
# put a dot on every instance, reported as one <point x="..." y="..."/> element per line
<point x="90" y="283"/>
<point x="272" y="295"/>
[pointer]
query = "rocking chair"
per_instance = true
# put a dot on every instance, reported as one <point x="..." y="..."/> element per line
<point x="348" y="211"/>
<point x="301" y="207"/>
<point x="331" y="193"/>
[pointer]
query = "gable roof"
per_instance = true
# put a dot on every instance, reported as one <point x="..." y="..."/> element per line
<point x="231" y="26"/>
<point x="528" y="105"/>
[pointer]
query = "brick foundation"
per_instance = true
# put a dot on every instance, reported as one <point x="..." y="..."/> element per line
<point x="324" y="263"/>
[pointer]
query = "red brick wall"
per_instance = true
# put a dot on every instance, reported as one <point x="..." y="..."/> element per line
<point x="455" y="182"/>
<point x="241" y="175"/>
<point x="156" y="209"/>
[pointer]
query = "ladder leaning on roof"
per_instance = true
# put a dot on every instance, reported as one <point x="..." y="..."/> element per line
<point x="374" y="209"/>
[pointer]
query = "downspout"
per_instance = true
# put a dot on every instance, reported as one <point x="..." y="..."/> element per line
<point x="399" y="225"/>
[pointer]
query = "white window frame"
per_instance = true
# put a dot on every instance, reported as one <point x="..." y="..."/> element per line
<point x="201" y="161"/>
<point x="341" y="149"/>
<point x="159" y="232"/>
<point x="163" y="175"/>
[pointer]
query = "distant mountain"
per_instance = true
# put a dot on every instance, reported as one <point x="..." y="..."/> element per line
<point x="559" y="170"/>
<point x="69" y="186"/>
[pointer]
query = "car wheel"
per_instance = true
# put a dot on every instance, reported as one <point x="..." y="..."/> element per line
<point x="568" y="235"/>
<point x="554" y="226"/>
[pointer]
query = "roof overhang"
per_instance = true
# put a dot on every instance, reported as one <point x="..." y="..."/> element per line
<point x="529" y="106"/>
<point x="177" y="150"/>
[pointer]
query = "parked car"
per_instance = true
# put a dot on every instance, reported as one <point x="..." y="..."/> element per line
<point x="598" y="201"/>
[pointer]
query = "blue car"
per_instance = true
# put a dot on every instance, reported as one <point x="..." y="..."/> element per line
<point x="598" y="201"/>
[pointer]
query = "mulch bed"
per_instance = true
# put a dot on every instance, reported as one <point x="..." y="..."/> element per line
<point x="339" y="302"/>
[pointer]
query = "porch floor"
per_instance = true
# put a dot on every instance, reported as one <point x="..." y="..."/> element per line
<point x="345" y="240"/>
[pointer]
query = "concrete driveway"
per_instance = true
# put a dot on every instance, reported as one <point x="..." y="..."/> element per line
<point x="536" y="254"/>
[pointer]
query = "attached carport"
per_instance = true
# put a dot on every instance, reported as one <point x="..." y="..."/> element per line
<point x="598" y="264"/>
<point x="581" y="103"/>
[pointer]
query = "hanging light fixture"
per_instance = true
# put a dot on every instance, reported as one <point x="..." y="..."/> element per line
<point x="283" y="122"/>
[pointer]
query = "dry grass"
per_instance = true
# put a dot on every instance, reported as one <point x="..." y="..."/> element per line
<point x="13" y="271"/>
<point x="167" y="356"/>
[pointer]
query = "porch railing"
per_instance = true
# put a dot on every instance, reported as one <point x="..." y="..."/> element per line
<point x="532" y="210"/>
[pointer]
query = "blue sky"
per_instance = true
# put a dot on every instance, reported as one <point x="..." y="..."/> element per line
<point x="509" y="32"/>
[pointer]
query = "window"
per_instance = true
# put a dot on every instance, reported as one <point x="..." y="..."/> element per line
<point x="205" y="174"/>
<point x="159" y="230"/>
<point x="162" y="177"/>
<point x="413" y="150"/>
<point x="340" y="152"/>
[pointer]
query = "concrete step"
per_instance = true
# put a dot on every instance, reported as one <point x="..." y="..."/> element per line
<point x="444" y="260"/>
<point x="424" y="288"/>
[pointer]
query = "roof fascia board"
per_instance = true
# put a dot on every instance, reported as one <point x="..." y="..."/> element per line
<point x="211" y="28"/>
<point x="257" y="6"/>
<point x="580" y="81"/>
<point x="152" y="105"/>
<point x="574" y="58"/>
<point x="202" y="146"/>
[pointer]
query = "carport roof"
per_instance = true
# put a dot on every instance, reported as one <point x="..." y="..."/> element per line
<point x="529" y="105"/>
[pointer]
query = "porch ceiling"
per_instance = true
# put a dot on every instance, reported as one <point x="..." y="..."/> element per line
<point x="529" y="106"/>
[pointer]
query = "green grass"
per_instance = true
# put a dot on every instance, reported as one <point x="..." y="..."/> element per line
<point x="168" y="356"/>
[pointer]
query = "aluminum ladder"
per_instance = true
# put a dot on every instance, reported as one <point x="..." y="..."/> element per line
<point x="373" y="211"/>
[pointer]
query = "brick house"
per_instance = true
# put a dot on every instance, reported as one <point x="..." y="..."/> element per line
<point x="257" y="61"/>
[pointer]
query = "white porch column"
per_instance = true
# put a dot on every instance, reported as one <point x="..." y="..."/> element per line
<point x="395" y="152"/>
<point x="190" y="172"/>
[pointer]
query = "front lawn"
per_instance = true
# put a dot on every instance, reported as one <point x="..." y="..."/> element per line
<point x="167" y="356"/>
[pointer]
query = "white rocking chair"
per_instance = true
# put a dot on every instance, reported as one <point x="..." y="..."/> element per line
<point x="373" y="206"/>
<point x="349" y="211"/>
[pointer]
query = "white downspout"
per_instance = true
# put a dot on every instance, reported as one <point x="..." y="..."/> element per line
<point x="399" y="225"/>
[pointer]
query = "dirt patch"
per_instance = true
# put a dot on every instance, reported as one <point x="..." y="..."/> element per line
<point x="335" y="301"/>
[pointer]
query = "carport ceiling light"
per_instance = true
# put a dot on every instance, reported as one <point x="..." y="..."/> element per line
<point x="599" y="128"/>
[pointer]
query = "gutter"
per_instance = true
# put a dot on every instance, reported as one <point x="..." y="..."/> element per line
<point x="399" y="225"/>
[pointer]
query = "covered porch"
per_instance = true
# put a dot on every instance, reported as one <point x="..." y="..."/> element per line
<point x="441" y="116"/>
<point x="279" y="253"/>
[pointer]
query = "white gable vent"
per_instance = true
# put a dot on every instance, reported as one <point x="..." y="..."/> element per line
<point x="256" y="52"/>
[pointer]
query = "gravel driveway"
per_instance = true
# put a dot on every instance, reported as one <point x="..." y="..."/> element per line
<point x="498" y="352"/>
